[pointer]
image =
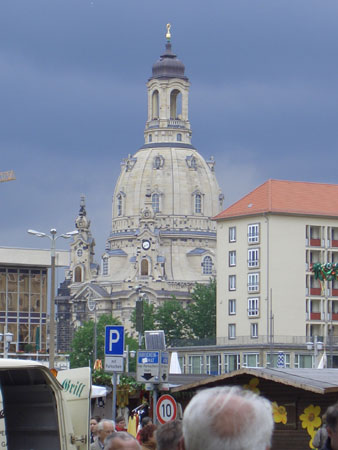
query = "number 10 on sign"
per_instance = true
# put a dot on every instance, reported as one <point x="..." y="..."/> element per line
<point x="166" y="409"/>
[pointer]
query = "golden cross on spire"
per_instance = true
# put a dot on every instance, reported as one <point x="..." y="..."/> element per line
<point x="168" y="35"/>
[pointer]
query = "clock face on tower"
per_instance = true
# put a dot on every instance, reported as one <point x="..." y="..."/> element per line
<point x="146" y="244"/>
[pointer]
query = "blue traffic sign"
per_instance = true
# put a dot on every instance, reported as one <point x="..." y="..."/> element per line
<point x="114" y="340"/>
<point x="148" y="357"/>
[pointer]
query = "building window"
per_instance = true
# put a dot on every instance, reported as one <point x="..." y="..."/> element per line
<point x="277" y="360"/>
<point x="150" y="138"/>
<point x="119" y="205"/>
<point x="207" y="265"/>
<point x="250" y="360"/>
<point x="214" y="366"/>
<point x="232" y="331"/>
<point x="253" y="282"/>
<point x="254" y="330"/>
<point x="303" y="361"/>
<point x="181" y="361"/>
<point x="179" y="137"/>
<point x="78" y="275"/>
<point x="253" y="233"/>
<point x="144" y="267"/>
<point x="232" y="282"/>
<point x="155" y="202"/>
<point x="198" y="203"/>
<point x="195" y="364"/>
<point x="118" y="305"/>
<point x="253" y="257"/>
<point x="253" y="307"/>
<point x="232" y="307"/>
<point x="231" y="362"/>
<point x="232" y="258"/>
<point x="105" y="266"/>
<point x="232" y="234"/>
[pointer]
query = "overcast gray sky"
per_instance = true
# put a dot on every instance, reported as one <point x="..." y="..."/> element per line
<point x="263" y="98"/>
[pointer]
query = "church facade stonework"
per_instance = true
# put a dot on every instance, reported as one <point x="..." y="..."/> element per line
<point x="162" y="238"/>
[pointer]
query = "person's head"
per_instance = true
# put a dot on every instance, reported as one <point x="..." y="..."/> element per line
<point x="227" y="418"/>
<point x="121" y="440"/>
<point x="93" y="424"/>
<point x="146" y="421"/>
<point x="147" y="433"/>
<point x="120" y="422"/>
<point x="105" y="428"/>
<point x="331" y="416"/>
<point x="169" y="435"/>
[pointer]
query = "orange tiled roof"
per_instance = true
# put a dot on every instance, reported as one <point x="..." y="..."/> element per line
<point x="290" y="197"/>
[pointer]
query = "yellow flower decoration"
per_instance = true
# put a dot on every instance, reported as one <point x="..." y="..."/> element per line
<point x="312" y="436"/>
<point x="252" y="386"/>
<point x="310" y="418"/>
<point x="279" y="413"/>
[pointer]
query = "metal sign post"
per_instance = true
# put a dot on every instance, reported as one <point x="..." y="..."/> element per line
<point x="113" y="356"/>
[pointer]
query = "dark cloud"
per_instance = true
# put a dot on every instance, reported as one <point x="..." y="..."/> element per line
<point x="263" y="98"/>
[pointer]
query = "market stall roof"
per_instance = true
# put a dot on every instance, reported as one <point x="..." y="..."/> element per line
<point x="320" y="381"/>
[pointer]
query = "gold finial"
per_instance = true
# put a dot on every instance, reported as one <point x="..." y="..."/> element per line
<point x="168" y="35"/>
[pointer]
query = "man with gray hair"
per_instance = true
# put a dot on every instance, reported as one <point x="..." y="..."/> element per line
<point x="168" y="435"/>
<point x="227" y="418"/>
<point x="121" y="440"/>
<point x="104" y="429"/>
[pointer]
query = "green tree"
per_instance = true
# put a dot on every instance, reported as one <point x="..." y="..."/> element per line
<point x="82" y="352"/>
<point x="171" y="318"/>
<point x="201" y="312"/>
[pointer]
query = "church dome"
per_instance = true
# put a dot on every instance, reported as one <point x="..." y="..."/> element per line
<point x="168" y="66"/>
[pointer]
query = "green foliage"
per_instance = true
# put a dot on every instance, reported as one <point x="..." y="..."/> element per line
<point x="82" y="352"/>
<point x="171" y="318"/>
<point x="201" y="312"/>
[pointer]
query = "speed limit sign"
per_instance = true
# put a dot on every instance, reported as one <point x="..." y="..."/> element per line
<point x="166" y="409"/>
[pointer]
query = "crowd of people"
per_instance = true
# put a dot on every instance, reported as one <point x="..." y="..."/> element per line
<point x="220" y="418"/>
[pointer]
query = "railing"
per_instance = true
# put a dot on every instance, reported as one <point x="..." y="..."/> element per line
<point x="176" y="123"/>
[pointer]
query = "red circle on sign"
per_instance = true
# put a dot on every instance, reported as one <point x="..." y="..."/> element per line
<point x="166" y="409"/>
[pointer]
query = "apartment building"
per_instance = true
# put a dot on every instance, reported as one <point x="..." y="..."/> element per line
<point x="268" y="299"/>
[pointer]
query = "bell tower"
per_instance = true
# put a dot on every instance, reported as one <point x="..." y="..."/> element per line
<point x="168" y="94"/>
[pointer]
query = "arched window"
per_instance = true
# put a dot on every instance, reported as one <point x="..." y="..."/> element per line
<point x="179" y="137"/>
<point x="155" y="202"/>
<point x="207" y="265"/>
<point x="150" y="138"/>
<point x="175" y="104"/>
<point x="78" y="275"/>
<point x="105" y="266"/>
<point x="144" y="267"/>
<point x="119" y="205"/>
<point x="155" y="105"/>
<point x="198" y="203"/>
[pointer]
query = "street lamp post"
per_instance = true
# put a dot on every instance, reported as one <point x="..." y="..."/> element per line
<point x="315" y="346"/>
<point x="53" y="237"/>
<point x="91" y="303"/>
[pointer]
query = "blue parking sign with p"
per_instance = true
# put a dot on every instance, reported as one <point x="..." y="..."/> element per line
<point x="114" y="340"/>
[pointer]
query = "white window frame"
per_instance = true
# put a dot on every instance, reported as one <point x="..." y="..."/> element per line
<point x="232" y="282"/>
<point x="253" y="233"/>
<point x="191" y="366"/>
<point x="298" y="364"/>
<point x="232" y="258"/>
<point x="232" y="234"/>
<point x="232" y="331"/>
<point x="105" y="266"/>
<point x="246" y="357"/>
<point x="227" y="356"/>
<point x="198" y="203"/>
<point x="275" y="356"/>
<point x="253" y="307"/>
<point x="232" y="307"/>
<point x="207" y="265"/>
<point x="219" y="364"/>
<point x="253" y="257"/>
<point x="253" y="282"/>
<point x="155" y="202"/>
<point x="254" y="330"/>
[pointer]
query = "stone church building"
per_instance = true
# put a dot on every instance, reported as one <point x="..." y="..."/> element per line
<point x="162" y="239"/>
